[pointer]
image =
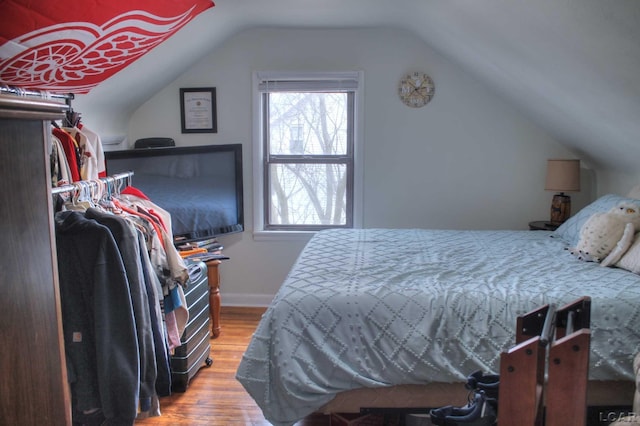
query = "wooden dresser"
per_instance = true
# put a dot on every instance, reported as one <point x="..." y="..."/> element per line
<point x="33" y="389"/>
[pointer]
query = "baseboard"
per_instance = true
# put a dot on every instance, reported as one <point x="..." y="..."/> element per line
<point x="248" y="300"/>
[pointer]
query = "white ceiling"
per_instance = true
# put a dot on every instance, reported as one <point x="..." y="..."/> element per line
<point x="573" y="66"/>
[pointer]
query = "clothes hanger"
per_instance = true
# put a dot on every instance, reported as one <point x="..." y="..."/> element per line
<point x="107" y="201"/>
<point x="81" y="197"/>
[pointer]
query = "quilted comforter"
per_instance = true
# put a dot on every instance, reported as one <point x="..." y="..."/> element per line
<point x="379" y="307"/>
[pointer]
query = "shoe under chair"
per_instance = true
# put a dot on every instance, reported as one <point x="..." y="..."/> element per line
<point x="482" y="408"/>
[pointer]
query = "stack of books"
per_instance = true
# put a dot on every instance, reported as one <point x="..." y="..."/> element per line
<point x="203" y="250"/>
<point x="210" y="245"/>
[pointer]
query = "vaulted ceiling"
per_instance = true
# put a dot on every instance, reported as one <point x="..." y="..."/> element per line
<point x="572" y="66"/>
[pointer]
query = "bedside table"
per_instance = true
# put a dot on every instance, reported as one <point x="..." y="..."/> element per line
<point x="542" y="225"/>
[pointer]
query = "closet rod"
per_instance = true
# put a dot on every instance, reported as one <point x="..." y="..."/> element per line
<point x="74" y="186"/>
<point x="19" y="91"/>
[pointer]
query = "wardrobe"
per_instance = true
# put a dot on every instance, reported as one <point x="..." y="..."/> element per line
<point x="33" y="388"/>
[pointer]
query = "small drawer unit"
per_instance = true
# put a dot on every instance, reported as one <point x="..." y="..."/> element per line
<point x="194" y="352"/>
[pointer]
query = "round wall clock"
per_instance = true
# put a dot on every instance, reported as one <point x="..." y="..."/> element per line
<point x="416" y="89"/>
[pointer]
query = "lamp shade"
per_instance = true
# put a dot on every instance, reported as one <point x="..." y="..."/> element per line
<point x="563" y="175"/>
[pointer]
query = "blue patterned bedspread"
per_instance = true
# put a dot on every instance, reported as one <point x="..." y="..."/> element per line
<point x="379" y="307"/>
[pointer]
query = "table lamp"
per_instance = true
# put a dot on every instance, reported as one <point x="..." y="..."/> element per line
<point x="562" y="175"/>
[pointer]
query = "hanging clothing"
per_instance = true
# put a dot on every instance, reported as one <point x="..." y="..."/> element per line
<point x="98" y="320"/>
<point x="83" y="152"/>
<point x="127" y="244"/>
<point x="170" y="266"/>
<point x="108" y="245"/>
<point x="60" y="171"/>
<point x="96" y="143"/>
<point x="134" y="197"/>
<point x="154" y="294"/>
<point x="88" y="156"/>
<point x="71" y="151"/>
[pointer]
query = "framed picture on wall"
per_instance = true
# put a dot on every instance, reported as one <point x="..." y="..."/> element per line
<point x="198" y="110"/>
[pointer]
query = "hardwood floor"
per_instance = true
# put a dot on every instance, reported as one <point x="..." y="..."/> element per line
<point x="214" y="396"/>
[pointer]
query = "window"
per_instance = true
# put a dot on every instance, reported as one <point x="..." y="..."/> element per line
<point x="307" y="150"/>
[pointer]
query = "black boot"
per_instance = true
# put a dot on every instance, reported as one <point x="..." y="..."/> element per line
<point x="489" y="384"/>
<point x="479" y="412"/>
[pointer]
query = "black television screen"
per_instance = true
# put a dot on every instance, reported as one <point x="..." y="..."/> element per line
<point x="200" y="186"/>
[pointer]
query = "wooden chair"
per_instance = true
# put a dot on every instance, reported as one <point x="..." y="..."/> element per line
<point x="565" y="334"/>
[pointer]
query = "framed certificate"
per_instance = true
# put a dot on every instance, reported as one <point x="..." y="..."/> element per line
<point x="198" y="110"/>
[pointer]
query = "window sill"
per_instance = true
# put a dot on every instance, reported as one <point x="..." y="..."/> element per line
<point x="283" y="235"/>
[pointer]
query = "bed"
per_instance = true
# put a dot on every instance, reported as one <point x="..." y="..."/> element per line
<point x="369" y="315"/>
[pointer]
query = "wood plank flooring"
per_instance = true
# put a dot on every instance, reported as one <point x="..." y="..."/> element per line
<point x="214" y="396"/>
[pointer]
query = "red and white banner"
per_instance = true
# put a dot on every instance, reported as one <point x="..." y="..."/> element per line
<point x="68" y="46"/>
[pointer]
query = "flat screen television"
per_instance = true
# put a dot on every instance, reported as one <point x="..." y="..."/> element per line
<point x="200" y="186"/>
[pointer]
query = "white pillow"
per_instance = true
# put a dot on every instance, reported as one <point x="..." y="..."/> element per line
<point x="631" y="259"/>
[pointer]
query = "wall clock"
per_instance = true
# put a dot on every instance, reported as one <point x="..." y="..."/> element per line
<point x="416" y="89"/>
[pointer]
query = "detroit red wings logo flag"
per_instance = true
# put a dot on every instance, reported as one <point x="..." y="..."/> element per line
<point x="67" y="46"/>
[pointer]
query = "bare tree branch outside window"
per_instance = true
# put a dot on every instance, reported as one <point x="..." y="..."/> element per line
<point x="309" y="158"/>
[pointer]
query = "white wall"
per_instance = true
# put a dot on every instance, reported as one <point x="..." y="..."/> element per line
<point x="614" y="182"/>
<point x="467" y="160"/>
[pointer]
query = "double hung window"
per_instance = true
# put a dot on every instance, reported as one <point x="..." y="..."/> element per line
<point x="307" y="144"/>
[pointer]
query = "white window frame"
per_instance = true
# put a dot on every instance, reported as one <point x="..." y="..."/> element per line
<point x="259" y="231"/>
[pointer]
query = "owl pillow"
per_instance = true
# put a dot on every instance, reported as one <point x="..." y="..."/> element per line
<point x="570" y="230"/>
<point x="605" y="237"/>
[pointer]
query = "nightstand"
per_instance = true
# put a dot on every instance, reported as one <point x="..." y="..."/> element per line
<point x="542" y="225"/>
